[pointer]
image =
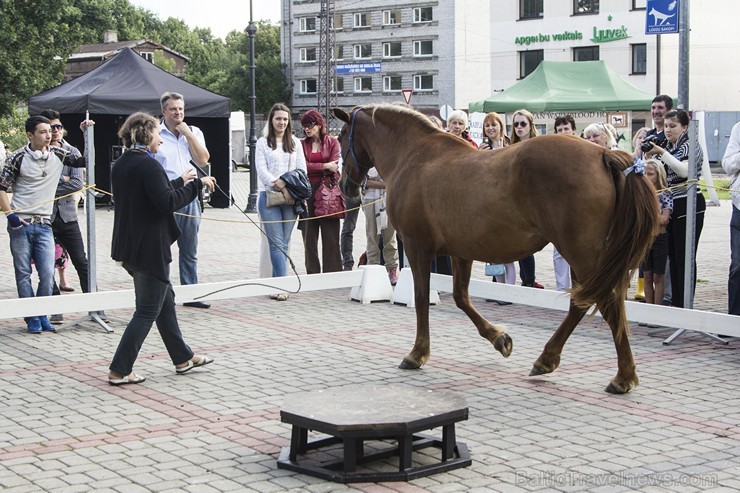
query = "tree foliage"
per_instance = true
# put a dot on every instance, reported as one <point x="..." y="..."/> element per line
<point x="37" y="36"/>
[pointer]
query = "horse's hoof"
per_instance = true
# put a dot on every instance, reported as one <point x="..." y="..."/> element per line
<point x="408" y="364"/>
<point x="537" y="370"/>
<point x="616" y="389"/>
<point x="503" y="344"/>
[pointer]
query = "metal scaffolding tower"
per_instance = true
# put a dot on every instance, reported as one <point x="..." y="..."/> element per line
<point x="327" y="78"/>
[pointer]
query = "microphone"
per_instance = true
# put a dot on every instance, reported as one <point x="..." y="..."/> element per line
<point x="200" y="170"/>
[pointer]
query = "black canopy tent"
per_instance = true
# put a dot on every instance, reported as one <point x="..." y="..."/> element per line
<point x="127" y="83"/>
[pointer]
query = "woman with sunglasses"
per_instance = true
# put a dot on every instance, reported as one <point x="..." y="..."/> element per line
<point x="522" y="129"/>
<point x="675" y="159"/>
<point x="322" y="161"/>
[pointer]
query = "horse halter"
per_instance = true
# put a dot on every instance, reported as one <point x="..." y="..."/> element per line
<point x="351" y="149"/>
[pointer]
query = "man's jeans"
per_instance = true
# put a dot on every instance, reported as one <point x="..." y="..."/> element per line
<point x="33" y="242"/>
<point x="188" y="242"/>
<point x="155" y="301"/>
<point x="346" y="237"/>
<point x="733" y="285"/>
<point x="70" y="237"/>
<point x="278" y="233"/>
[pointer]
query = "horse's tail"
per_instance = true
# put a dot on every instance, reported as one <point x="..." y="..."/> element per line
<point x="631" y="234"/>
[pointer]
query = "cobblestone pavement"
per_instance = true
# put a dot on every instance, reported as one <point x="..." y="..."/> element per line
<point x="64" y="429"/>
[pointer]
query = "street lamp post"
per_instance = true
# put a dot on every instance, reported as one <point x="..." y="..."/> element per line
<point x="252" y="201"/>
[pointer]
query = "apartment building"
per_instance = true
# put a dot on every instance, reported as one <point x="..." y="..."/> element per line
<point x="437" y="49"/>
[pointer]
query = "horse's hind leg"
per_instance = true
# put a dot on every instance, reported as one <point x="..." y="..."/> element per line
<point x="549" y="360"/>
<point x="626" y="377"/>
<point x="496" y="334"/>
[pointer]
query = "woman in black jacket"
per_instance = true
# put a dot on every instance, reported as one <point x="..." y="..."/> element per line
<point x="144" y="228"/>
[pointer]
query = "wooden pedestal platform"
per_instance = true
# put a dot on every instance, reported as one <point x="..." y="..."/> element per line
<point x="357" y="414"/>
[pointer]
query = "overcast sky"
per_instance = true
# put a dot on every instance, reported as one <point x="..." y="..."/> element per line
<point x="222" y="16"/>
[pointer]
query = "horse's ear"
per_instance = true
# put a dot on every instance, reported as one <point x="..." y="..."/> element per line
<point x="341" y="114"/>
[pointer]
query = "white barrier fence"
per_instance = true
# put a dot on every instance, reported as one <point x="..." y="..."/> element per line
<point x="678" y="318"/>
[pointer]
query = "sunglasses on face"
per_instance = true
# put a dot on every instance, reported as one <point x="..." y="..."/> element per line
<point x="520" y="124"/>
<point x="309" y="126"/>
<point x="57" y="126"/>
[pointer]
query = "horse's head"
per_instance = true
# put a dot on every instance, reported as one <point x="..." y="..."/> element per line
<point x="355" y="157"/>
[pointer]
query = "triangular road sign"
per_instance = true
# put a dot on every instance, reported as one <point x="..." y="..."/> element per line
<point x="406" y="95"/>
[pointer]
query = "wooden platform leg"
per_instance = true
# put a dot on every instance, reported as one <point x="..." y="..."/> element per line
<point x="448" y="442"/>
<point x="350" y="454"/>
<point x="405" y="447"/>
<point x="298" y="442"/>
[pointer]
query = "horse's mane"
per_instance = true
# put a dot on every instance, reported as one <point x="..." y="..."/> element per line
<point x="398" y="109"/>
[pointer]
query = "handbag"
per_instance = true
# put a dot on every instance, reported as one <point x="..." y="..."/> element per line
<point x="495" y="270"/>
<point x="328" y="199"/>
<point x="274" y="198"/>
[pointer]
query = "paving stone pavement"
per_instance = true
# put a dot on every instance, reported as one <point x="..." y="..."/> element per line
<point x="64" y="429"/>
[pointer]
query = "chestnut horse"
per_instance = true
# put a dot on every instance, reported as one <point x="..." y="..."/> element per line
<point x="447" y="198"/>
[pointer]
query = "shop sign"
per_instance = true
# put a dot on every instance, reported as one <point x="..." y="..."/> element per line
<point x="358" y="68"/>
<point x="599" y="36"/>
<point x="606" y="35"/>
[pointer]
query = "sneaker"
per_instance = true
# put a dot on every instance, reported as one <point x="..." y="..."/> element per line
<point x="34" y="325"/>
<point x="57" y="319"/>
<point x="393" y="275"/>
<point x="46" y="325"/>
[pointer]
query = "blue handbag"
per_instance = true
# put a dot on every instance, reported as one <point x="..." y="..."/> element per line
<point x="495" y="270"/>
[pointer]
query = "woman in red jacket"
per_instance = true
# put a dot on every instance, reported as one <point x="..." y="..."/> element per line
<point x="322" y="161"/>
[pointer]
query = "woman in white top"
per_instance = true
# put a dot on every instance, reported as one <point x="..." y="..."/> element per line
<point x="276" y="154"/>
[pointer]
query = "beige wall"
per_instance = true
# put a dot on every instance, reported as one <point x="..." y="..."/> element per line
<point x="714" y="59"/>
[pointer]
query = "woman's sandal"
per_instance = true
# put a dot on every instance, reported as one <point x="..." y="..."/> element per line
<point x="128" y="379"/>
<point x="204" y="360"/>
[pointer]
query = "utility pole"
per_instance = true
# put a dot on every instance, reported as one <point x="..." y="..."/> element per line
<point x="252" y="200"/>
<point x="683" y="55"/>
<point x="326" y="81"/>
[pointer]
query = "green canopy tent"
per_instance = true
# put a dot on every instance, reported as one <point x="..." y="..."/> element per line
<point x="568" y="86"/>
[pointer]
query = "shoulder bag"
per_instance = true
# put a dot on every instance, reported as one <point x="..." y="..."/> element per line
<point x="328" y="199"/>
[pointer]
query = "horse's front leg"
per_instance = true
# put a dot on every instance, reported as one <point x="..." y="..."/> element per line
<point x="420" y="268"/>
<point x="549" y="360"/>
<point x="496" y="334"/>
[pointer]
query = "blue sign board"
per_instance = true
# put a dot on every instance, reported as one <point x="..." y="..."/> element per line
<point x="661" y="16"/>
<point x="358" y="68"/>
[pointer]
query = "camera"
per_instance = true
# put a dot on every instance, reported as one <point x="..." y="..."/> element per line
<point x="647" y="143"/>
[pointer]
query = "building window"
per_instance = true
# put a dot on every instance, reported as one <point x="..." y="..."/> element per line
<point x="423" y="14"/>
<point x="307" y="24"/>
<point x="423" y="83"/>
<point x="530" y="9"/>
<point x="362" y="20"/>
<point x="308" y="86"/>
<point x="391" y="17"/>
<point x="339" y="52"/>
<point x="392" y="50"/>
<point x="529" y="60"/>
<point x="639" y="4"/>
<point x="585" y="7"/>
<point x="308" y="54"/>
<point x="392" y="83"/>
<point x="639" y="58"/>
<point x="363" y="84"/>
<point x="586" y="54"/>
<point x="423" y="48"/>
<point x="363" y="51"/>
<point x="147" y="55"/>
<point x="337" y="86"/>
<point x="338" y="22"/>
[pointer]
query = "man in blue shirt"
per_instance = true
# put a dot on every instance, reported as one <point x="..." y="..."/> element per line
<point x="182" y="143"/>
